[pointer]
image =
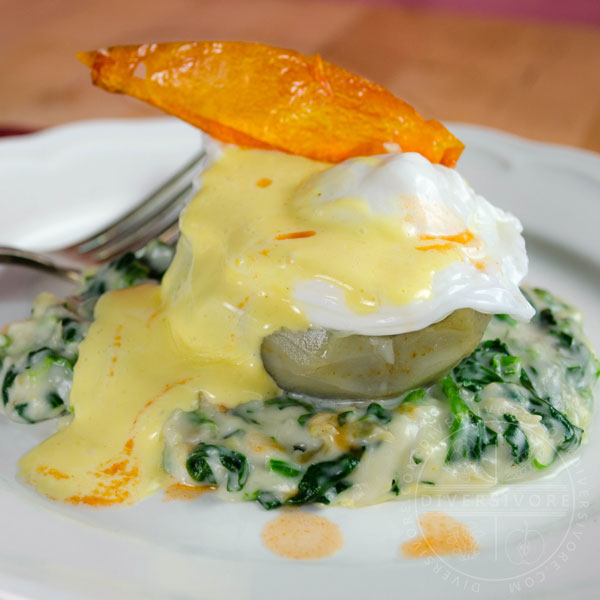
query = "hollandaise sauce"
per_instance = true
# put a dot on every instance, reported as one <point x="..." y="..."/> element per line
<point x="248" y="238"/>
<point x="169" y="381"/>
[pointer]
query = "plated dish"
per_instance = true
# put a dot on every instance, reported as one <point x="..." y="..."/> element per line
<point x="337" y="325"/>
<point x="194" y="547"/>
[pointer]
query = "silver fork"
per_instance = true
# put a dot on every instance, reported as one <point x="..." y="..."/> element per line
<point x="155" y="216"/>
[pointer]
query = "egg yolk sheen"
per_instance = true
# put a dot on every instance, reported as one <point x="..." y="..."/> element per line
<point x="254" y="231"/>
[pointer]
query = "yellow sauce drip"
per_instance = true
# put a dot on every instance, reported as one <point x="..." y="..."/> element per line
<point x="152" y="350"/>
<point x="129" y="378"/>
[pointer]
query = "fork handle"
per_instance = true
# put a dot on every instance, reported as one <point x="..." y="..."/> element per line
<point x="33" y="260"/>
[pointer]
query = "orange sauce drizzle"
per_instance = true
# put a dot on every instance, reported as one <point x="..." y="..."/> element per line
<point x="295" y="235"/>
<point x="180" y="491"/>
<point x="264" y="182"/>
<point x="113" y="478"/>
<point x="117" y="474"/>
<point x="438" y="247"/>
<point x="116" y="344"/>
<point x="441" y="535"/>
<point x="52" y="472"/>
<point x="325" y="426"/>
<point x="153" y="316"/>
<point x="260" y="444"/>
<point x="302" y="536"/>
<point x="464" y="237"/>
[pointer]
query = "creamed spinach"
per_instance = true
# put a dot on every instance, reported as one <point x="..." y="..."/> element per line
<point x="518" y="403"/>
<point x="38" y="354"/>
<point x="512" y="408"/>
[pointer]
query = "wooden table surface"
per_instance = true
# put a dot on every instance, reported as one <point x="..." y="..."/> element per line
<point x="538" y="80"/>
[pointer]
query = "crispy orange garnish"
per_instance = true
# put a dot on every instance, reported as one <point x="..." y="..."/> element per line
<point x="260" y="96"/>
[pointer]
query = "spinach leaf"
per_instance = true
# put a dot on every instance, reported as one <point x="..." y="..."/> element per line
<point x="235" y="432"/>
<point x="344" y="417"/>
<point x="268" y="500"/>
<point x="381" y="414"/>
<point x="546" y="317"/>
<point x="72" y="330"/>
<point x="198" y="467"/>
<point x="323" y="479"/>
<point x="45" y="358"/>
<point x="469" y="436"/>
<point x="9" y="379"/>
<point x="492" y="362"/>
<point x="129" y="269"/>
<point x="516" y="439"/>
<point x="551" y="417"/>
<point x="54" y="400"/>
<point x="415" y="396"/>
<point x="285" y="402"/>
<point x="5" y="341"/>
<point x="507" y="319"/>
<point x="21" y="410"/>
<point x="284" y="468"/>
<point x="236" y="463"/>
<point x="483" y="366"/>
<point x="123" y="272"/>
<point x="197" y="417"/>
<point x="246" y="411"/>
<point x="558" y="327"/>
<point x="302" y="419"/>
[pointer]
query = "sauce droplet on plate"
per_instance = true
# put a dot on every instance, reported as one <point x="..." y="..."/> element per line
<point x="302" y="536"/>
<point x="179" y="491"/>
<point x="441" y="534"/>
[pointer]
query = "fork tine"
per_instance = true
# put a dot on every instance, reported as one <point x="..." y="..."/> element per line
<point x="143" y="212"/>
<point x="162" y="222"/>
<point x="170" y="235"/>
<point x="35" y="260"/>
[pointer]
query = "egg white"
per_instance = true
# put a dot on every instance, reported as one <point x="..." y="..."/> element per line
<point x="429" y="200"/>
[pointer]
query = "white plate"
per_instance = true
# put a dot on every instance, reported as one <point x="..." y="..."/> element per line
<point x="536" y="538"/>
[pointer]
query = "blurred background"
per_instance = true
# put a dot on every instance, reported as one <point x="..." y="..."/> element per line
<point x="531" y="67"/>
